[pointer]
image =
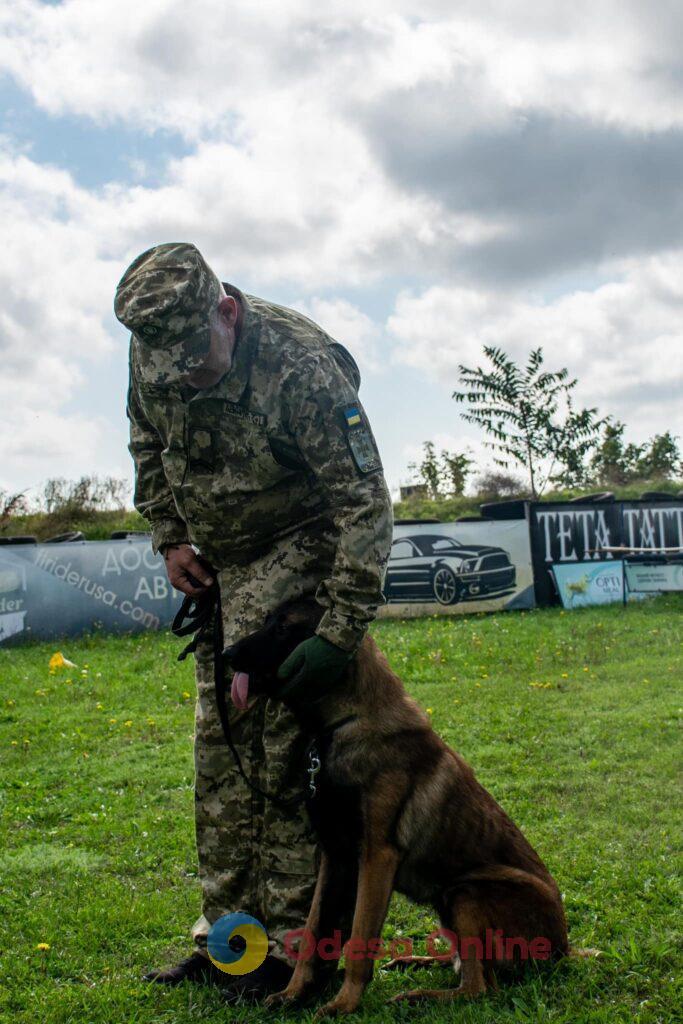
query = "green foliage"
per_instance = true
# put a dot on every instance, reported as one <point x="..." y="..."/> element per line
<point x="11" y="504"/>
<point x="447" y="510"/>
<point x="444" y="474"/>
<point x="615" y="462"/>
<point x="428" y="469"/>
<point x="94" y="525"/>
<point x="662" y="457"/>
<point x="569" y="719"/>
<point x="497" y="486"/>
<point x="456" y="469"/>
<point x="89" y="504"/>
<point x="529" y="415"/>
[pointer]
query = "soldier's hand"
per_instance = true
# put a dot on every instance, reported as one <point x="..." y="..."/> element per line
<point x="185" y="571"/>
<point x="311" y="667"/>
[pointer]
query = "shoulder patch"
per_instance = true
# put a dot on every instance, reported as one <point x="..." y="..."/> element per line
<point x="361" y="441"/>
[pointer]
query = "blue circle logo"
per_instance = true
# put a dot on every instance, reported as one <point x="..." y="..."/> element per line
<point x="237" y="943"/>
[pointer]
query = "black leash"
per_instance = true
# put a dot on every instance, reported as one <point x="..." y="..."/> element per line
<point x="198" y="615"/>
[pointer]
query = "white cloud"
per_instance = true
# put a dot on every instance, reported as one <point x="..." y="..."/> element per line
<point x="346" y="323"/>
<point x="623" y="340"/>
<point x="164" y="63"/>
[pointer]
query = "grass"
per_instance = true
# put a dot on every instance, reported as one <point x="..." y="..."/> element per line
<point x="569" y="719"/>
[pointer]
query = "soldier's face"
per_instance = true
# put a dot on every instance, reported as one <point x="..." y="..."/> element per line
<point x="219" y="356"/>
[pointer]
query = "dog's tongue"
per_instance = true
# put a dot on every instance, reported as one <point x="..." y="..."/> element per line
<point x="239" y="690"/>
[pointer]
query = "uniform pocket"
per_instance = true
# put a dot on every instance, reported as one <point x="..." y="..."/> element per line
<point x="232" y="444"/>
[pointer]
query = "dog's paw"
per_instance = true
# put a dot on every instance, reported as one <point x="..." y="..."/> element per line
<point x="287" y="997"/>
<point x="336" y="1007"/>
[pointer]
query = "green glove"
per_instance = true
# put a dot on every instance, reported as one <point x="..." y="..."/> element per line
<point x="316" y="663"/>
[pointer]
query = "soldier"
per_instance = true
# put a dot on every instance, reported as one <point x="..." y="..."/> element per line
<point x="252" y="450"/>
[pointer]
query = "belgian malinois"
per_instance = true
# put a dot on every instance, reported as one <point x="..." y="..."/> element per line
<point x="396" y="808"/>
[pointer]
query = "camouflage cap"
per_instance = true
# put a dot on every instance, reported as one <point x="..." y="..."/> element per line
<point x="165" y="299"/>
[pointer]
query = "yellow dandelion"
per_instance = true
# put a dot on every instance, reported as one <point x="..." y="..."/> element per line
<point x="430" y="711"/>
<point x="150" y="721"/>
<point x="186" y="695"/>
<point x="14" y="743"/>
<point x="128" y="723"/>
<point x="113" y="721"/>
<point x="43" y="946"/>
<point x="99" y="707"/>
<point x="565" y="675"/>
<point x="10" y="703"/>
<point x="59" y="661"/>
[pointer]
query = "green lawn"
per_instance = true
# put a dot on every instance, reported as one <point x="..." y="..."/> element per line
<point x="568" y="718"/>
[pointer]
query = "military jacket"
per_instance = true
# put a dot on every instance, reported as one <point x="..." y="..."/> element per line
<point x="280" y="443"/>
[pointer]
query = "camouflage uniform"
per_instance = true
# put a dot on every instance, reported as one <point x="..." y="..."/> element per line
<point x="273" y="474"/>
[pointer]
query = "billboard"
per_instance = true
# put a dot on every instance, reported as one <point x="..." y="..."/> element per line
<point x="455" y="568"/>
<point x="570" y="532"/>
<point x="50" y="590"/>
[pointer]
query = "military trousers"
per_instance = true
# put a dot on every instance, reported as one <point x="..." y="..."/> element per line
<point x="254" y="855"/>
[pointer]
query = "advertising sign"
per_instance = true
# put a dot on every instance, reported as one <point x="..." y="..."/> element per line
<point x="565" y="532"/>
<point x="586" y="583"/>
<point x="654" y="578"/>
<point x="455" y="568"/>
<point x="50" y="590"/>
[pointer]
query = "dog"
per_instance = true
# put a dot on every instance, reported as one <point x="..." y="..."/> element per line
<point x="397" y="809"/>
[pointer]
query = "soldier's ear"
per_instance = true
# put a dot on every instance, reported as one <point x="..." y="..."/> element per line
<point x="227" y="309"/>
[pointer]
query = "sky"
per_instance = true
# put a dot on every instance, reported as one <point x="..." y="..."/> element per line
<point x="421" y="179"/>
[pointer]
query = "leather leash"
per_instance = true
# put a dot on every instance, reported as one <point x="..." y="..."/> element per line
<point x="202" y="614"/>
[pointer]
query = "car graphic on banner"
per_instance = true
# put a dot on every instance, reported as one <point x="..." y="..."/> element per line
<point x="430" y="567"/>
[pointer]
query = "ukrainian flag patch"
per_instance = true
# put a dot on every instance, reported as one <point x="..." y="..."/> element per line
<point x="361" y="441"/>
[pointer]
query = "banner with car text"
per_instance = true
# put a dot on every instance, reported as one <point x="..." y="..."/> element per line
<point x="455" y="568"/>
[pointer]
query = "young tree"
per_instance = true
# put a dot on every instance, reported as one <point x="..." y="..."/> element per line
<point x="12" y="505"/>
<point x="455" y="468"/>
<point x="613" y="461"/>
<point x="428" y="470"/>
<point x="529" y="414"/>
<point x="661" y="458"/>
<point x="443" y="474"/>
